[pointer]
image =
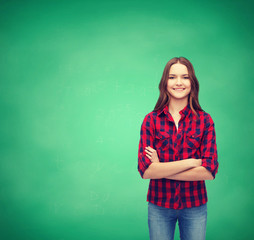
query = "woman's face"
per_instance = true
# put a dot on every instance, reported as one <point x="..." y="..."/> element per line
<point x="179" y="84"/>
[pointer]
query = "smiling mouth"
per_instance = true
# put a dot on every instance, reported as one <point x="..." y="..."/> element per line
<point x="179" y="89"/>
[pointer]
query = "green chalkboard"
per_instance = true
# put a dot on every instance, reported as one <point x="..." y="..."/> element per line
<point x="77" y="79"/>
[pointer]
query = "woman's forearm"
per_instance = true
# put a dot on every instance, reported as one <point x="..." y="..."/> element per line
<point x="194" y="174"/>
<point x="158" y="170"/>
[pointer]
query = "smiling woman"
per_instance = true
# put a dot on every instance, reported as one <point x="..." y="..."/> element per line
<point x="177" y="152"/>
<point x="179" y="84"/>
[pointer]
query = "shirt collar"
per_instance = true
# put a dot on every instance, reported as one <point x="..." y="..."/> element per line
<point x="185" y="111"/>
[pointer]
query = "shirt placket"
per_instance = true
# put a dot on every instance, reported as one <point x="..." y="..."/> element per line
<point x="177" y="183"/>
<point x="176" y="138"/>
<point x="177" y="134"/>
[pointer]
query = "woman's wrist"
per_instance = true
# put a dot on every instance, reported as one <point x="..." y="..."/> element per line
<point x="196" y="162"/>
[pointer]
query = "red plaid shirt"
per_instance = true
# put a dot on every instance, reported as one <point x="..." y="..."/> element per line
<point x="193" y="139"/>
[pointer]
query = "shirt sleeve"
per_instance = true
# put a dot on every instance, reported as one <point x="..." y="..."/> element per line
<point x="208" y="148"/>
<point x="146" y="139"/>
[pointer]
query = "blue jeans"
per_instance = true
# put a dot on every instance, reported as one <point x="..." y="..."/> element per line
<point x="191" y="221"/>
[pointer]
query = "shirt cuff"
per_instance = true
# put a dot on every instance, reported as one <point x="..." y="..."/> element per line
<point x="143" y="165"/>
<point x="212" y="167"/>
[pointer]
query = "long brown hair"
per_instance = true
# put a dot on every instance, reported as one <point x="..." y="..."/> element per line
<point x="164" y="97"/>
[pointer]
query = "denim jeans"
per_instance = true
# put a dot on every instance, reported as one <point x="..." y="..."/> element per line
<point x="191" y="221"/>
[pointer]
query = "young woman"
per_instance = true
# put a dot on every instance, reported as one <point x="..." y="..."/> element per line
<point x="177" y="152"/>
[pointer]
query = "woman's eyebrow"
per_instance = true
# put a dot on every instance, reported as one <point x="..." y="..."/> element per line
<point x="182" y="74"/>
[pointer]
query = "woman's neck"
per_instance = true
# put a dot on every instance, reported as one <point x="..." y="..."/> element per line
<point x="176" y="106"/>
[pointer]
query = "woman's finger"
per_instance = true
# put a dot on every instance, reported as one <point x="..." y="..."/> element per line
<point x="148" y="153"/>
<point x="150" y="149"/>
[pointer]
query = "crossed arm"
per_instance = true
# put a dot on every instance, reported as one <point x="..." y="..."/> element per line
<point x="194" y="174"/>
<point x="184" y="170"/>
<point x="188" y="171"/>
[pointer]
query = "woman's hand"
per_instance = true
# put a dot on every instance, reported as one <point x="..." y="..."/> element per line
<point x="152" y="154"/>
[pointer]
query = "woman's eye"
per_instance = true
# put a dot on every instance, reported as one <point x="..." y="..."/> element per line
<point x="173" y="77"/>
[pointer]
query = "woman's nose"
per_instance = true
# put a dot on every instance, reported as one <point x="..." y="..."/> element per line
<point x="179" y="80"/>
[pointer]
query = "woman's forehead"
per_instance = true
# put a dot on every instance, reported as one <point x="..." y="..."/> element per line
<point x="178" y="69"/>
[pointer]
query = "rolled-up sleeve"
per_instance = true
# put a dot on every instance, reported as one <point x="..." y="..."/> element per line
<point x="146" y="139"/>
<point x="208" y="149"/>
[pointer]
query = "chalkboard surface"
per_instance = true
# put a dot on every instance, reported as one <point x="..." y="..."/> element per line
<point x="77" y="79"/>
